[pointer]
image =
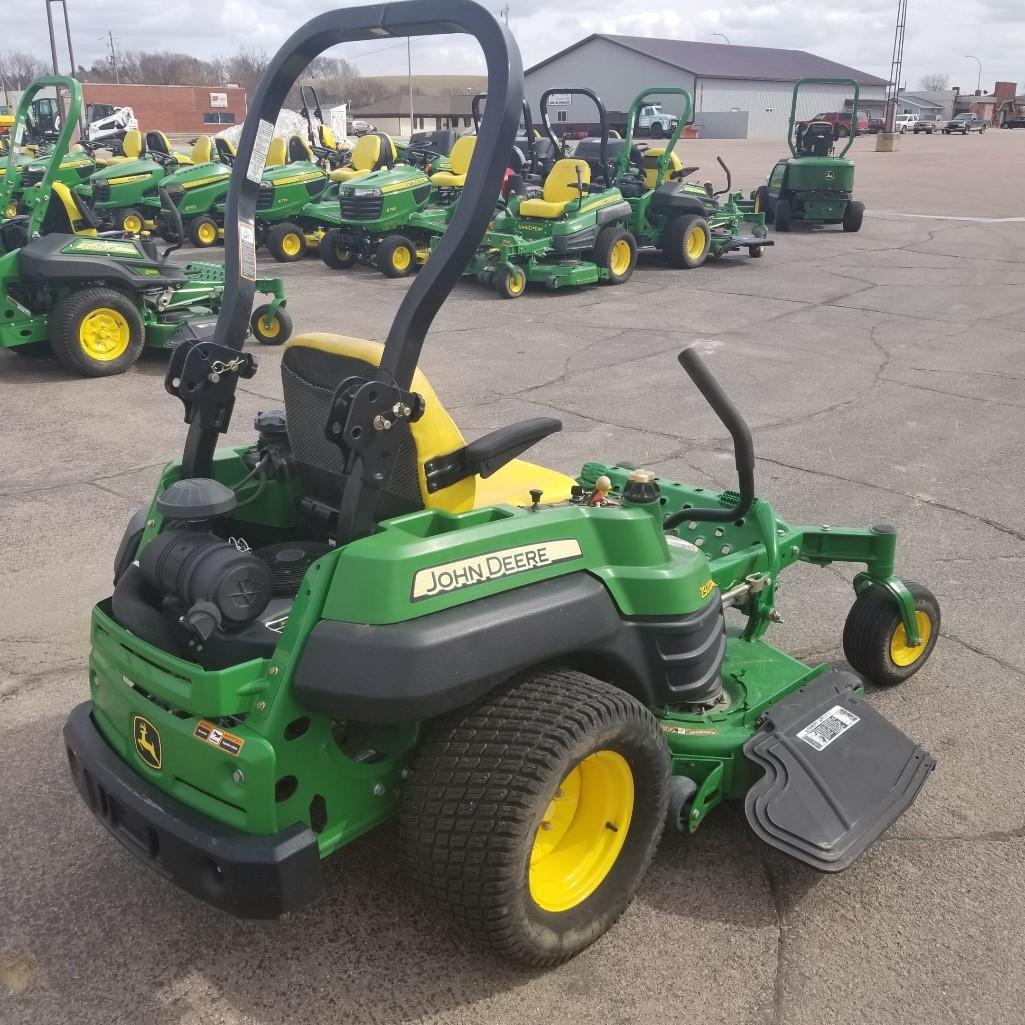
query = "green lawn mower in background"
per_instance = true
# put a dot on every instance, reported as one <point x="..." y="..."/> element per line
<point x="125" y="194"/>
<point x="682" y="219"/>
<point x="543" y="673"/>
<point x="197" y="191"/>
<point x="812" y="184"/>
<point x="576" y="233"/>
<point x="94" y="301"/>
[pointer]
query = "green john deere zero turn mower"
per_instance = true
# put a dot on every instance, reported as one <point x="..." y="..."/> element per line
<point x="95" y="301"/>
<point x="576" y="233"/>
<point x="358" y="615"/>
<point x="812" y="184"/>
<point x="682" y="219"/>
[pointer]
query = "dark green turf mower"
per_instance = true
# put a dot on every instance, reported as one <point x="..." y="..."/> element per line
<point x="682" y="219"/>
<point x="575" y="233"/>
<point x="357" y="616"/>
<point x="94" y="300"/>
<point x="813" y="184"/>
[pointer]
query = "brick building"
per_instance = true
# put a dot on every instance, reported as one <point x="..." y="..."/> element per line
<point x="996" y="107"/>
<point x="175" y="109"/>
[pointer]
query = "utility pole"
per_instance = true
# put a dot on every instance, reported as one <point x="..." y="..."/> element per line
<point x="113" y="58"/>
<point x="53" y="47"/>
<point x="978" y="81"/>
<point x="409" y="71"/>
<point x="893" y="86"/>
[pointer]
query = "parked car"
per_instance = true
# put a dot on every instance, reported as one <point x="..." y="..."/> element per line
<point x="1014" y="122"/>
<point x="905" y="123"/>
<point x="876" y="125"/>
<point x="841" y="122"/>
<point x="965" y="123"/>
<point x="924" y="126"/>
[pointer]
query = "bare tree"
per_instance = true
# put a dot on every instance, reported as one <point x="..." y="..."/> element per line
<point x="935" y="83"/>
<point x="245" y="68"/>
<point x="19" y="67"/>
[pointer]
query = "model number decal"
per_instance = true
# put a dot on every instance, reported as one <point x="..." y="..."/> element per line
<point x="826" y="728"/>
<point x="452" y="576"/>
<point x="707" y="588"/>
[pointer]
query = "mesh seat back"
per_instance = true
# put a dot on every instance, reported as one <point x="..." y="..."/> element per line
<point x="309" y="377"/>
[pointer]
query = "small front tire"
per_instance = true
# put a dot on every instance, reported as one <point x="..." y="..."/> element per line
<point x="203" y="232"/>
<point x="286" y="242"/>
<point x="853" y="215"/>
<point x="396" y="256"/>
<point x="510" y="282"/>
<point x="615" y="251"/>
<point x="874" y="639"/>
<point x="130" y="221"/>
<point x="335" y="253"/>
<point x="269" y="330"/>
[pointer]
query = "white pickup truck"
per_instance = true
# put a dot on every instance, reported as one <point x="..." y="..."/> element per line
<point x="655" y="121"/>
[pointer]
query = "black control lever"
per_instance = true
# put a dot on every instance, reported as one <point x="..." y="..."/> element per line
<point x="729" y="178"/>
<point x="176" y="221"/>
<point x="743" y="449"/>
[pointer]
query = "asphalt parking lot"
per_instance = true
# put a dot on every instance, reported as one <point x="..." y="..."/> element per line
<point x="882" y="377"/>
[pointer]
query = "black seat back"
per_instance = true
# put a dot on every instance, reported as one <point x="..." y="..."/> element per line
<point x="309" y="376"/>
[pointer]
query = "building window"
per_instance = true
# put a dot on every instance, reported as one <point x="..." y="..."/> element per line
<point x="561" y="115"/>
<point x="213" y="117"/>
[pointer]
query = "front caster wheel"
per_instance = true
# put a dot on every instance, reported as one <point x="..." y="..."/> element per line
<point x="875" y="642"/>
<point x="533" y="814"/>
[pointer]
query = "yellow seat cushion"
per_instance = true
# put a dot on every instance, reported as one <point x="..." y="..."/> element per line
<point x="366" y="153"/>
<point x="277" y="151"/>
<point x="651" y="159"/>
<point x="436" y="434"/>
<point x="346" y="174"/>
<point x="448" y="180"/>
<point x="560" y="189"/>
<point x="202" y="150"/>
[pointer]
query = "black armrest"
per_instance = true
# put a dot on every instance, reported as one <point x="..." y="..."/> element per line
<point x="489" y="454"/>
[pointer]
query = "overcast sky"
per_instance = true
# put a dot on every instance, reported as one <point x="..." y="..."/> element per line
<point x="859" y="34"/>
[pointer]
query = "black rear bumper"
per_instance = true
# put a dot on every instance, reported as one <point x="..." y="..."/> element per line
<point x="248" y="876"/>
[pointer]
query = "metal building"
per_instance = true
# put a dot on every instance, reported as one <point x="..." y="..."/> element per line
<point x="739" y="91"/>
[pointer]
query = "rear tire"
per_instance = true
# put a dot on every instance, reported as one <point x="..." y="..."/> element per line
<point x="532" y="815"/>
<point x="97" y="332"/>
<point x="874" y="642"/>
<point x="680" y="242"/>
<point x="783" y="215"/>
<point x="615" y="250"/>
<point x="203" y="232"/>
<point x="286" y="242"/>
<point x="853" y="215"/>
<point x="762" y="204"/>
<point x="396" y="256"/>
<point x="334" y="254"/>
<point x="655" y="131"/>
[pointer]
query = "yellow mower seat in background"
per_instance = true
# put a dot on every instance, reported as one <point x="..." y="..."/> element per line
<point x="157" y="142"/>
<point x="327" y="137"/>
<point x="309" y="368"/>
<point x="277" y="151"/>
<point x="459" y="164"/>
<point x="369" y="154"/>
<point x="560" y="189"/>
<point x="651" y="159"/>
<point x="202" y="150"/>
<point x="131" y="148"/>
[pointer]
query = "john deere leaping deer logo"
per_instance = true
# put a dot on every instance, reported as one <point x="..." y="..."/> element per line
<point x="147" y="742"/>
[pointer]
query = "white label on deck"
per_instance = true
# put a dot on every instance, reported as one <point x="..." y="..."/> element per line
<point x="826" y="728"/>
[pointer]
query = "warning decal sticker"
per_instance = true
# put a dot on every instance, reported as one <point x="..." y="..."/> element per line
<point x="214" y="735"/>
<point x="826" y="728"/>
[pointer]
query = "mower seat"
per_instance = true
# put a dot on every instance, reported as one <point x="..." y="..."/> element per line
<point x="816" y="139"/>
<point x="67" y="214"/>
<point x="459" y="163"/>
<point x="374" y="151"/>
<point x="313" y="365"/>
<point x="327" y="137"/>
<point x="299" y="150"/>
<point x="225" y="150"/>
<point x="202" y="150"/>
<point x="277" y="151"/>
<point x="131" y="149"/>
<point x="650" y="163"/>
<point x="560" y="189"/>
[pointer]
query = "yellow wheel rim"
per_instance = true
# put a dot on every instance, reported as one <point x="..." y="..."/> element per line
<point x="11" y="210"/>
<point x="582" y="832"/>
<point x="207" y="234"/>
<point x="401" y="258"/>
<point x="904" y="654"/>
<point x="619" y="260"/>
<point x="270" y="328"/>
<point x="517" y="282"/>
<point x="695" y="243"/>
<point x="758" y="203"/>
<point x="291" y="244"/>
<point x="104" y="334"/>
<point x="132" y="224"/>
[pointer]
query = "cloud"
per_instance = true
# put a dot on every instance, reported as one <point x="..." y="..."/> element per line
<point x="860" y="35"/>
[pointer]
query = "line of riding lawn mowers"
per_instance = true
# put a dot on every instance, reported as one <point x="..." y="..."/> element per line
<point x="569" y="214"/>
<point x="357" y="616"/>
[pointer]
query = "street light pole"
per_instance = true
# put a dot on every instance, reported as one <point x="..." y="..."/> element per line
<point x="978" y="81"/>
<point x="409" y="70"/>
<point x="53" y="47"/>
<point x="721" y="36"/>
